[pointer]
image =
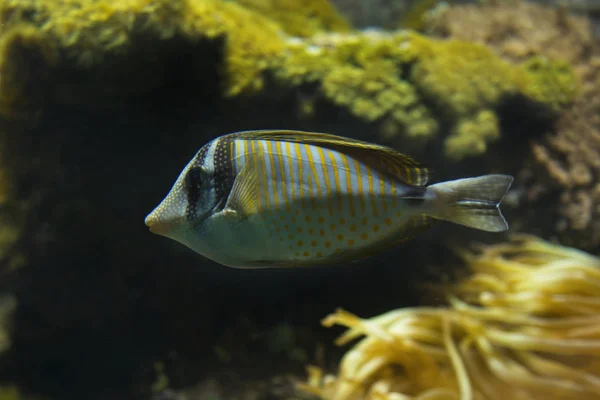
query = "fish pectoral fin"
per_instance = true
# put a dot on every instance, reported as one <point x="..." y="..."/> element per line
<point x="244" y="198"/>
<point x="381" y="158"/>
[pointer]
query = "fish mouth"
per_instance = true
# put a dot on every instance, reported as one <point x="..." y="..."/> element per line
<point x="158" y="225"/>
<point x="154" y="224"/>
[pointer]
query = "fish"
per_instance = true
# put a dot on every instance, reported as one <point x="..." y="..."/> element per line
<point x="285" y="198"/>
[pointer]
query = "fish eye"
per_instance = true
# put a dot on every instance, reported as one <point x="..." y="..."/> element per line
<point x="194" y="178"/>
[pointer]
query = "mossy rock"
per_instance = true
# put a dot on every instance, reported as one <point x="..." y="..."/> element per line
<point x="416" y="87"/>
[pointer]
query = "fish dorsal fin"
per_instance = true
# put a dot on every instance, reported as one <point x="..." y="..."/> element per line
<point x="381" y="158"/>
<point x="244" y="199"/>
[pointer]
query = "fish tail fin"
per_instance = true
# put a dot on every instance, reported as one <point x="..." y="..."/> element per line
<point x="472" y="202"/>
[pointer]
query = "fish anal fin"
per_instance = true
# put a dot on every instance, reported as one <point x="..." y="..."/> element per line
<point x="381" y="158"/>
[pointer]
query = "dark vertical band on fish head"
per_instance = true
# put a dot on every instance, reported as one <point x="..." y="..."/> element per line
<point x="194" y="179"/>
<point x="223" y="169"/>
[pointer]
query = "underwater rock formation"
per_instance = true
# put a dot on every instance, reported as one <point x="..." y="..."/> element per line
<point x="565" y="169"/>
<point x="562" y="174"/>
<point x="524" y="324"/>
<point x="414" y="87"/>
<point x="451" y="88"/>
<point x="516" y="30"/>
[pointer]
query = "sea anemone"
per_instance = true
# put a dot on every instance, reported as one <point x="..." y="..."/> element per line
<point x="525" y="324"/>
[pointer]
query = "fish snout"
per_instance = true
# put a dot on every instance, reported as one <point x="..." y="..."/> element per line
<point x="158" y="224"/>
<point x="154" y="224"/>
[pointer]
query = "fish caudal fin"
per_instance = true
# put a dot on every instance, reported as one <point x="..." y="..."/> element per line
<point x="472" y="202"/>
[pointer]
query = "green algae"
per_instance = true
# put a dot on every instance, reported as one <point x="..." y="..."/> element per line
<point x="414" y="83"/>
<point x="415" y="87"/>
<point x="472" y="135"/>
<point x="549" y="82"/>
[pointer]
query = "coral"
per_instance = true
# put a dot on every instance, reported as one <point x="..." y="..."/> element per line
<point x="550" y="82"/>
<point x="360" y="72"/>
<point x="466" y="81"/>
<point x="400" y="79"/>
<point x="524" y="324"/>
<point x="560" y="180"/>
<point x="461" y="77"/>
<point x="88" y="31"/>
<point x="565" y="168"/>
<point x="471" y="136"/>
<point x="516" y="30"/>
<point x="253" y="44"/>
<point x="547" y="41"/>
<point x="463" y="81"/>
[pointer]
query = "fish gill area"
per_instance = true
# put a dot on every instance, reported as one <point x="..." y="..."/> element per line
<point x="102" y="102"/>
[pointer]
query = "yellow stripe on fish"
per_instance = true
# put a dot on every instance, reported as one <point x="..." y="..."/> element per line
<point x="348" y="183"/>
<point x="331" y="224"/>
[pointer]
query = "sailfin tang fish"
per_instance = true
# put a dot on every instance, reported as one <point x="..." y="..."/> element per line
<point x="257" y="199"/>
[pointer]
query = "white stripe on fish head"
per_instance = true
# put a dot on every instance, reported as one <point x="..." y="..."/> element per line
<point x="209" y="160"/>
